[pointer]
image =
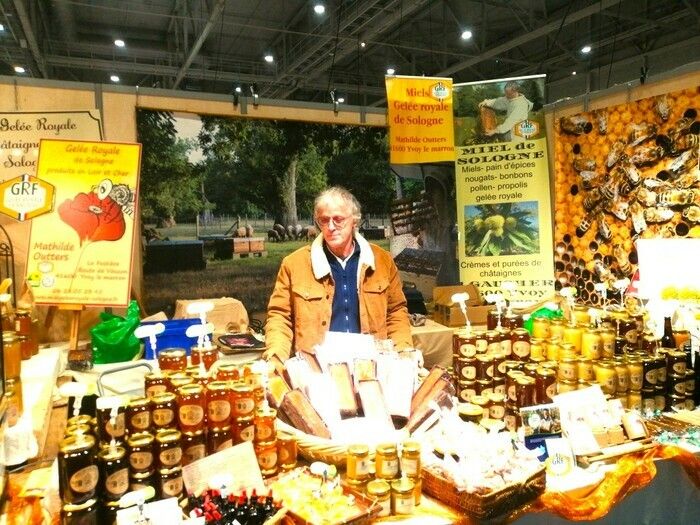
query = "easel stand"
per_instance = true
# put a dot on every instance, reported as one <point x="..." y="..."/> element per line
<point x="77" y="310"/>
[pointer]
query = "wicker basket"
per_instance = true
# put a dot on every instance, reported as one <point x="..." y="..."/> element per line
<point x="483" y="506"/>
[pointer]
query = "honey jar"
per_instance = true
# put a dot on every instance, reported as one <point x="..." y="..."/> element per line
<point x="506" y="343"/>
<point x="540" y="328"/>
<point x="194" y="447"/>
<point x="499" y="385"/>
<point x="177" y="380"/>
<point x="417" y="489"/>
<point x="582" y="315"/>
<point x="207" y="355"/>
<point x="591" y="344"/>
<point x="466" y="390"/>
<point x="552" y="348"/>
<point x="379" y="492"/>
<point x="675" y="402"/>
<point x="190" y="408"/>
<point x="140" y="450"/>
<point x="12" y="355"/>
<point x="78" y="473"/>
<point x="402" y="497"/>
<point x="218" y="404"/>
<point x="243" y="401"/>
<point x="511" y="378"/>
<point x="512" y="321"/>
<point x="168" y="448"/>
<point x="470" y="412"/>
<point x="227" y="372"/>
<point x="80" y="514"/>
<point x="649" y="371"/>
<point x="264" y="422"/>
<point x="512" y="418"/>
<point x="172" y="359"/>
<point x="623" y="376"/>
<point x="556" y="328"/>
<point x="566" y="386"/>
<point x="659" y="399"/>
<point x="493" y="319"/>
<point x="484" y="366"/>
<point x="585" y="370"/>
<point x="219" y="439"/>
<point x="138" y="415"/>
<point x="635" y="368"/>
<point x="537" y="348"/>
<point x="170" y="483"/>
<point x="164" y="409"/>
<point x="109" y="427"/>
<point x="113" y="473"/>
<point x="648" y="401"/>
<point x="606" y="376"/>
<point x="464" y="344"/>
<point x="243" y="429"/>
<point x="607" y="343"/>
<point x="25" y="347"/>
<point x="675" y="384"/>
<point x="634" y="400"/>
<point x="520" y="340"/>
<point x="480" y="342"/>
<point x="568" y="369"/>
<point x="661" y="373"/>
<point x="141" y="480"/>
<point x="573" y="334"/>
<point x="524" y="391"/>
<point x="484" y="386"/>
<point x="23" y="322"/>
<point x="466" y="368"/>
<point x="267" y="457"/>
<point x="497" y="406"/>
<point x="675" y="362"/>
<point x="493" y="342"/>
<point x="155" y="383"/>
<point x="567" y="351"/>
<point x="386" y="461"/>
<point x="287" y="451"/>
<point x="410" y="459"/>
<point x="545" y="385"/>
<point x="357" y="462"/>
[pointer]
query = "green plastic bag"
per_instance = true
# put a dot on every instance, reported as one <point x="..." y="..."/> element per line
<point x="546" y="312"/>
<point x="113" y="339"/>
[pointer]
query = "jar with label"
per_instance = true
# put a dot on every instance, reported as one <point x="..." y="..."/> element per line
<point x="164" y="411"/>
<point x="77" y="472"/>
<point x="379" y="492"/>
<point x="649" y="372"/>
<point x="267" y="457"/>
<point x="524" y="391"/>
<point x="227" y="372"/>
<point x="511" y="378"/>
<point x="155" y="383"/>
<point x="582" y="315"/>
<point x="484" y="386"/>
<point x="464" y="344"/>
<point x="218" y="404"/>
<point x="138" y="415"/>
<point x="140" y="450"/>
<point x="402" y="497"/>
<point x="484" y="366"/>
<point x="530" y="369"/>
<point x="573" y="334"/>
<point x="512" y="418"/>
<point x="635" y="368"/>
<point x="110" y="425"/>
<point x="286" y="451"/>
<point x="25" y="347"/>
<point x="113" y="473"/>
<point x="675" y="402"/>
<point x="219" y="439"/>
<point x="545" y="385"/>
<point x="470" y="412"/>
<point x="506" y="343"/>
<point x="690" y="382"/>
<point x="80" y="514"/>
<point x="410" y="459"/>
<point x="607" y="343"/>
<point x="540" y="328"/>
<point x="357" y="462"/>
<point x="242" y="401"/>
<point x="552" y="349"/>
<point x="23" y="321"/>
<point x="194" y="447"/>
<point x="177" y="380"/>
<point x="207" y="355"/>
<point x="634" y="400"/>
<point x="493" y="319"/>
<point x="606" y="376"/>
<point x="168" y="448"/>
<point x="497" y="406"/>
<point x="512" y="321"/>
<point x="466" y="390"/>
<point x="172" y="359"/>
<point x="386" y="461"/>
<point x="675" y="384"/>
<point x="660" y="398"/>
<point x="591" y="344"/>
<point x="537" y="347"/>
<point x="493" y="342"/>
<point x="660" y="361"/>
<point x="243" y="429"/>
<point x="648" y="402"/>
<point x="480" y="342"/>
<point x="466" y="368"/>
<point x="675" y="362"/>
<point x="585" y="370"/>
<point x="623" y="375"/>
<point x="170" y="484"/>
<point x="190" y="408"/>
<point x="520" y="342"/>
<point x="568" y="369"/>
<point x="264" y="422"/>
<point x="567" y="386"/>
<point x="12" y="355"/>
<point x="141" y="480"/>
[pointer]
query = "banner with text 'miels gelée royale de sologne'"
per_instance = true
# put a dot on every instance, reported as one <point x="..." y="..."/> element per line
<point x="502" y="184"/>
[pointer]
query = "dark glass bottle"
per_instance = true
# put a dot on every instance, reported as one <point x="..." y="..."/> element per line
<point x="668" y="340"/>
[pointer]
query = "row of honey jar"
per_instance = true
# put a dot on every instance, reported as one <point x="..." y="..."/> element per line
<point x="392" y="480"/>
<point x="175" y="359"/>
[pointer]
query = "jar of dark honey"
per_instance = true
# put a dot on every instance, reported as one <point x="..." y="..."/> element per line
<point x="172" y="359"/>
<point x="264" y="422"/>
<point x="484" y="366"/>
<point x="177" y="380"/>
<point x="520" y="339"/>
<point x="493" y="319"/>
<point x="545" y="385"/>
<point x="114" y="473"/>
<point x="190" y="408"/>
<point x="512" y="418"/>
<point x="110" y="425"/>
<point x="464" y="344"/>
<point x="499" y="386"/>
<point x="497" y="406"/>
<point x="138" y="415"/>
<point x="470" y="412"/>
<point x="675" y="384"/>
<point x="506" y="343"/>
<point x="108" y="511"/>
<point x="168" y="448"/>
<point x="142" y="480"/>
<point x="23" y="322"/>
<point x="465" y="367"/>
<point x="218" y="439"/>
<point x="25" y="347"/>
<point x="484" y="386"/>
<point x="164" y="411"/>
<point x="481" y="342"/>
<point x="242" y="401"/>
<point x="511" y="378"/>
<point x="512" y="321"/>
<point x="493" y="342"/>
<point x="80" y="514"/>
<point x="227" y="372"/>
<point x="170" y="484"/>
<point x="267" y="457"/>
<point x="140" y="450"/>
<point x="524" y="391"/>
<point x="243" y="429"/>
<point x="466" y="390"/>
<point x="194" y="447"/>
<point x="207" y="355"/>
<point x="218" y="404"/>
<point x="649" y="377"/>
<point x="78" y="473"/>
<point x="287" y="451"/>
<point x="155" y="383"/>
<point x="675" y="362"/>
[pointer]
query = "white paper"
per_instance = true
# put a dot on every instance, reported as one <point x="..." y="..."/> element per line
<point x="397" y="378"/>
<point x="666" y="262"/>
<point x="342" y="347"/>
<point x="324" y="398"/>
<point x="162" y="512"/>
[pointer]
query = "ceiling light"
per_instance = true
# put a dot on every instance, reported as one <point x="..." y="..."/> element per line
<point x="238" y="89"/>
<point x="390" y="71"/>
<point x="20" y="69"/>
<point x="573" y="72"/>
<point x="119" y="42"/>
<point x="2" y="28"/>
<point x="114" y="78"/>
<point x="363" y="44"/>
<point x="319" y="9"/>
<point x="269" y="58"/>
<point x="586" y="49"/>
<point x="341" y="100"/>
<point x="466" y="35"/>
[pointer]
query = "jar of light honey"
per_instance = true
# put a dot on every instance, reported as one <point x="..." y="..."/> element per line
<point x="386" y="461"/>
<point x="540" y="328"/>
<point x="606" y="376"/>
<point x="582" y="315"/>
<point x="573" y="334"/>
<point x="607" y="343"/>
<point x="591" y="344"/>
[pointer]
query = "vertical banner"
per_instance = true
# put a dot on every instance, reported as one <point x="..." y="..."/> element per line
<point x="420" y="119"/>
<point x="502" y="181"/>
<point x="81" y="252"/>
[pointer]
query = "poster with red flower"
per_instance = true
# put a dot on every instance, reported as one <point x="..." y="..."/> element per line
<point x="81" y="252"/>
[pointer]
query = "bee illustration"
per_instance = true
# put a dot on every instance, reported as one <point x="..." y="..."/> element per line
<point x="656" y="184"/>
<point x="688" y="180"/>
<point x="637" y="214"/>
<point x="646" y="197"/>
<point x="658" y="215"/>
<point x="682" y="163"/>
<point x="124" y="196"/>
<point x="692" y="213"/>
<point x="591" y="200"/>
<point x="616" y="151"/>
<point x="576" y="125"/>
<point x="675" y="198"/>
<point x="584" y="225"/>
<point x="620" y="209"/>
<point x="588" y="179"/>
<point x="601" y="117"/>
<point x="646" y="155"/>
<point x="602" y="271"/>
<point x="639" y="133"/>
<point x="609" y="190"/>
<point x="685" y="142"/>
<point x="680" y="126"/>
<point x="623" y="261"/>
<point x="662" y="107"/>
<point x="604" y="232"/>
<point x="583" y="164"/>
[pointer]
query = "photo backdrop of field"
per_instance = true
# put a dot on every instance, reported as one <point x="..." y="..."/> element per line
<point x="262" y="171"/>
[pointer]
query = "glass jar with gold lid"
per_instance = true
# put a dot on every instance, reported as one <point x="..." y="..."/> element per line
<point x="386" y="461"/>
<point x="379" y="492"/>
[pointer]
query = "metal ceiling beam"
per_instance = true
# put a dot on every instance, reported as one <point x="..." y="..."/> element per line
<point x="30" y="36"/>
<point x="215" y="12"/>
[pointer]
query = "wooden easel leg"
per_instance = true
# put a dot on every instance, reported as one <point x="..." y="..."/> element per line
<point x="74" y="330"/>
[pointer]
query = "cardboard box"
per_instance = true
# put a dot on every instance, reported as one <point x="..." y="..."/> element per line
<point x="448" y="313"/>
<point x="443" y="294"/>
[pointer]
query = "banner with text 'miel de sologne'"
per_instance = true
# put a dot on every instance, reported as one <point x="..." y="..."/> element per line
<point x="502" y="183"/>
<point x="420" y="119"/>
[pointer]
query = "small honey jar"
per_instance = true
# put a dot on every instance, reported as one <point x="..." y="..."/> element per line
<point x="357" y="462"/>
<point x="243" y="429"/>
<point x="172" y="359"/>
<point x="114" y="473"/>
<point x="286" y="451"/>
<point x="168" y="448"/>
<point x="138" y="415"/>
<point x="402" y="497"/>
<point x="218" y="403"/>
<point x="190" y="408"/>
<point x="410" y="459"/>
<point x="218" y="439"/>
<point x="78" y="473"/>
<point x="379" y="492"/>
<point x="155" y="383"/>
<point x="264" y="422"/>
<point x="140" y="449"/>
<point x="170" y="483"/>
<point x="242" y="401"/>
<point x="207" y="354"/>
<point x="164" y="409"/>
<point x="386" y="461"/>
<point x="267" y="457"/>
<point x="194" y="447"/>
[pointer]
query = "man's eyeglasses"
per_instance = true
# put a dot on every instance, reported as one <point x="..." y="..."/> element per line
<point x="337" y="221"/>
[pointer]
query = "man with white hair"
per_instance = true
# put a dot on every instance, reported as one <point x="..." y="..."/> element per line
<point x="516" y="107"/>
<point x="340" y="283"/>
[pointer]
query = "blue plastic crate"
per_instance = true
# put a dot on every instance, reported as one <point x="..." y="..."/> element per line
<point x="173" y="337"/>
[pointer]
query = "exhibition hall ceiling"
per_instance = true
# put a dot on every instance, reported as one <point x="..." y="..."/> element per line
<point x="297" y="50"/>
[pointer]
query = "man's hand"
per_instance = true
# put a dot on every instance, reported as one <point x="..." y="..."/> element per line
<point x="490" y="132"/>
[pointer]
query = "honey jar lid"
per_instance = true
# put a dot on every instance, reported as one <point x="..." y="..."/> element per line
<point x="266" y="412"/>
<point x="163" y="397"/>
<point x="76" y="443"/>
<point x="403" y="486"/>
<point x="111" y="453"/>
<point x="480" y="400"/>
<point x="165" y="472"/>
<point x="470" y="409"/>
<point x="358" y="450"/>
<point x="168" y="435"/>
<point x="378" y="488"/>
<point x="190" y="389"/>
<point x="140" y="439"/>
<point x="496" y="397"/>
<point x="71" y="507"/>
<point x="172" y="352"/>
<point x="386" y="448"/>
<point x="411" y="446"/>
<point x="139" y="402"/>
<point x="9" y="337"/>
<point x="218" y="385"/>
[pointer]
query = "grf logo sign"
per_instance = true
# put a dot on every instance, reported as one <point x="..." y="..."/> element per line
<point x="26" y="197"/>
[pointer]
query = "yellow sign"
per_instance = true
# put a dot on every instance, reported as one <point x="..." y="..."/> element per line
<point x="420" y="119"/>
<point x="81" y="252"/>
<point x="26" y="197"/>
<point x="502" y="180"/>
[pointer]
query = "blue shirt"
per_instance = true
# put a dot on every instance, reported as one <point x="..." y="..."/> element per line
<point x="345" y="315"/>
